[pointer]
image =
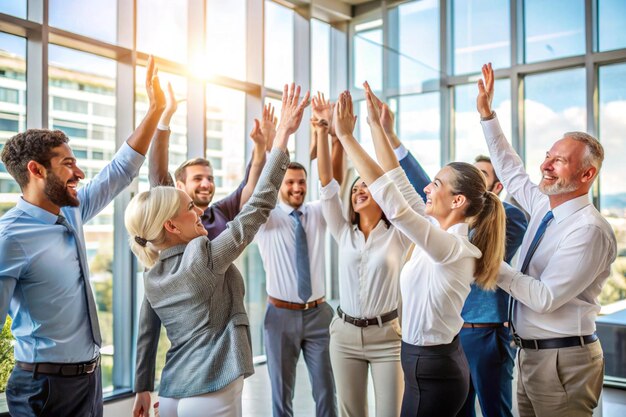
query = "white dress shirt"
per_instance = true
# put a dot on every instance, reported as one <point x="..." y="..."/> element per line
<point x="277" y="246"/>
<point x="559" y="296"/>
<point x="436" y="280"/>
<point x="369" y="270"/>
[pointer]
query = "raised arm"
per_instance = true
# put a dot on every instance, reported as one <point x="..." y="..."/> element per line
<point x="506" y="163"/>
<point x="229" y="245"/>
<point x="140" y="139"/>
<point x="262" y="133"/>
<point x="158" y="157"/>
<point x="384" y="152"/>
<point x="344" y="121"/>
<point x="321" y="118"/>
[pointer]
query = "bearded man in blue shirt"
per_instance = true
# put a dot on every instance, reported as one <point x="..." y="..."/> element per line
<point x="44" y="275"/>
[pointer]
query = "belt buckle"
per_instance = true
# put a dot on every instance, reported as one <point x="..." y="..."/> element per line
<point x="518" y="341"/>
<point x="306" y="306"/>
<point x="361" y="322"/>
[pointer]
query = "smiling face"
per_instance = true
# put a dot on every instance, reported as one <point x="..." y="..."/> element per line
<point x="186" y="224"/>
<point x="361" y="197"/>
<point x="199" y="185"/>
<point x="62" y="178"/>
<point x="439" y="197"/>
<point x="293" y="188"/>
<point x="562" y="169"/>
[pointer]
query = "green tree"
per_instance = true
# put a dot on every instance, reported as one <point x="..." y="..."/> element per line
<point x="6" y="354"/>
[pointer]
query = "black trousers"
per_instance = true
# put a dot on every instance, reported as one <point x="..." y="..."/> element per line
<point x="436" y="380"/>
<point x="30" y="395"/>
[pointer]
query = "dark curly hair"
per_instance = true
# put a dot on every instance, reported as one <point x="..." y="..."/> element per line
<point x="32" y="145"/>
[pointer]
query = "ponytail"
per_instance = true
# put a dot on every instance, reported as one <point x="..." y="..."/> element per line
<point x="488" y="221"/>
<point x="489" y="236"/>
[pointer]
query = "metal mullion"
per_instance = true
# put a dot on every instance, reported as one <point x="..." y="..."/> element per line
<point x="517" y="56"/>
<point x="37" y="67"/>
<point x="591" y="82"/>
<point x="445" y="101"/>
<point x="124" y="266"/>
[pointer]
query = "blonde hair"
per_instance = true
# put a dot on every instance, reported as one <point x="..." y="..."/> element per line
<point x="144" y="218"/>
<point x="488" y="221"/>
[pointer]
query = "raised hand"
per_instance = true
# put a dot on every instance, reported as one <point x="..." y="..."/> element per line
<point x="156" y="97"/>
<point x="385" y="115"/>
<point x="268" y="125"/>
<point x="344" y="119"/>
<point x="322" y="109"/>
<point x="485" y="92"/>
<point x="256" y="135"/>
<point x="292" y="109"/>
<point x="373" y="105"/>
<point x="171" y="105"/>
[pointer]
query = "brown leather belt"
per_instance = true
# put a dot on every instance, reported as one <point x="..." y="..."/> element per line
<point x="367" y="322"/>
<point x="294" y="306"/>
<point x="481" y="325"/>
<point x="61" y="369"/>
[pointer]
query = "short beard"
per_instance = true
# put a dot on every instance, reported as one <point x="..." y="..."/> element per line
<point x="558" y="188"/>
<point x="57" y="192"/>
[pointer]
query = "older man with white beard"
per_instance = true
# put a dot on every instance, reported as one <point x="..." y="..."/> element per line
<point x="564" y="260"/>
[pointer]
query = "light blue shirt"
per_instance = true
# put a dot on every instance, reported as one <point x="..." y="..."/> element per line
<point x="41" y="286"/>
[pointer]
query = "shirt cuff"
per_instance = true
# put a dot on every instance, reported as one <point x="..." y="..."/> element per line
<point x="491" y="128"/>
<point x="376" y="188"/>
<point x="130" y="157"/>
<point x="401" y="152"/>
<point x="505" y="277"/>
<point x="396" y="174"/>
<point x="330" y="190"/>
<point x="163" y="127"/>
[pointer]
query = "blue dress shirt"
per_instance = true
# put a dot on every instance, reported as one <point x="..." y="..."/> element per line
<point x="41" y="286"/>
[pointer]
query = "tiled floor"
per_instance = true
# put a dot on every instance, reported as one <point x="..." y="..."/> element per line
<point x="257" y="397"/>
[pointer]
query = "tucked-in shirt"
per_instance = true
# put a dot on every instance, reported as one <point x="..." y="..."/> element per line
<point x="369" y="270"/>
<point x="485" y="306"/>
<point x="41" y="286"/>
<point x="277" y="246"/>
<point x="436" y="280"/>
<point x="559" y="295"/>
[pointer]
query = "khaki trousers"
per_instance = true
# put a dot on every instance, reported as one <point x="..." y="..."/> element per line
<point x="356" y="350"/>
<point x="563" y="382"/>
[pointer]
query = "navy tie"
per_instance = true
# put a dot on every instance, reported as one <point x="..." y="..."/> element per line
<point x="84" y="272"/>
<point x="531" y="251"/>
<point x="303" y="268"/>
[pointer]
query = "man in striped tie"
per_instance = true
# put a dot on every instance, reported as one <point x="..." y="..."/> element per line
<point x="565" y="259"/>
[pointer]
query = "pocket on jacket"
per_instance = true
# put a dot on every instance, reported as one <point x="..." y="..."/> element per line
<point x="240" y="319"/>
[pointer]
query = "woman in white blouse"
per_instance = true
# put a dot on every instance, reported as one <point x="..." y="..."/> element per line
<point x="366" y="335"/>
<point x="436" y="280"/>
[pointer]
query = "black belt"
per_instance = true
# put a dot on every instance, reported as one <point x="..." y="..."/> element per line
<point x="560" y="342"/>
<point x="61" y="369"/>
<point x="367" y="322"/>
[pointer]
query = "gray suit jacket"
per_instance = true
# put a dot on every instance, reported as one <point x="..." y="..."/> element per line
<point x="198" y="294"/>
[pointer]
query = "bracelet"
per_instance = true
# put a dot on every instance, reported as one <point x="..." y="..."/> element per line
<point x="163" y="127"/>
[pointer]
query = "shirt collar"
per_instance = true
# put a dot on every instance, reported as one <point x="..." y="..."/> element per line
<point x="570" y="207"/>
<point x="288" y="209"/>
<point x="459" y="229"/>
<point x="36" y="212"/>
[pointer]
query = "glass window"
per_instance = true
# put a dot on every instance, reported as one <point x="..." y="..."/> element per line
<point x="14" y="7"/>
<point x="554" y="104"/>
<point x="368" y="55"/>
<point x="94" y="18"/>
<point x="178" y="123"/>
<point x="225" y="121"/>
<point x="419" y="43"/>
<point x="611" y="23"/>
<point x="68" y="66"/>
<point x="226" y="37"/>
<point x="320" y="57"/>
<point x="419" y="130"/>
<point x="468" y="133"/>
<point x="153" y="17"/>
<point x="612" y="92"/>
<point x="553" y="29"/>
<point x="12" y="105"/>
<point x="473" y="45"/>
<point x="279" y="33"/>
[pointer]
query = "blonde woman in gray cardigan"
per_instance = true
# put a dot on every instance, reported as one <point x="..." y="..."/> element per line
<point x="197" y="292"/>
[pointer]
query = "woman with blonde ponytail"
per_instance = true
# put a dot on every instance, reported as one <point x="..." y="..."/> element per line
<point x="436" y="280"/>
<point x="196" y="291"/>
